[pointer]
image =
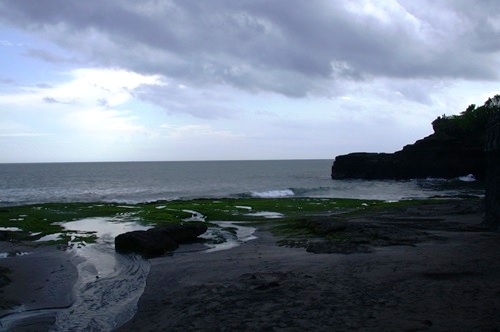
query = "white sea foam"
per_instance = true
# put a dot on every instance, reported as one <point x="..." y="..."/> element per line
<point x="195" y="216"/>
<point x="266" y="214"/>
<point x="467" y="178"/>
<point x="10" y="229"/>
<point x="11" y="254"/>
<point x="243" y="207"/>
<point x="243" y="234"/>
<point x="273" y="193"/>
<point x="127" y="207"/>
<point x="50" y="237"/>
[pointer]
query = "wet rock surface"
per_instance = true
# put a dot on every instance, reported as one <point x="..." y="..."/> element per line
<point x="159" y="240"/>
<point x="446" y="280"/>
<point x="405" y="226"/>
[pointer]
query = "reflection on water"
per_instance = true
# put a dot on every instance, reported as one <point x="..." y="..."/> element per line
<point x="234" y="234"/>
<point x="13" y="254"/>
<point x="266" y="214"/>
<point x="103" y="226"/>
<point x="49" y="237"/>
<point x="109" y="284"/>
<point x="107" y="290"/>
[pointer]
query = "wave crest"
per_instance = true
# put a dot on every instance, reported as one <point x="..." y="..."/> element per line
<point x="273" y="193"/>
<point x="467" y="178"/>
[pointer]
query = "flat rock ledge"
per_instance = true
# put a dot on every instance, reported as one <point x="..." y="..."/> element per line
<point x="159" y="240"/>
<point x="404" y="226"/>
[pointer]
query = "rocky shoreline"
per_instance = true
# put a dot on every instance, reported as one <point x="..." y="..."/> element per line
<point x="436" y="269"/>
<point x="430" y="266"/>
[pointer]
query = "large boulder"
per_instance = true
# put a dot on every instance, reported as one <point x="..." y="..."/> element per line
<point x="182" y="233"/>
<point x="157" y="241"/>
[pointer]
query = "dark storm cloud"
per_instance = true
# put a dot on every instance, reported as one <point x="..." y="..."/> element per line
<point x="292" y="47"/>
<point x="484" y="16"/>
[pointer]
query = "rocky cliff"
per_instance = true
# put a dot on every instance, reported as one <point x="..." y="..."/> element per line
<point x="456" y="148"/>
<point x="492" y="198"/>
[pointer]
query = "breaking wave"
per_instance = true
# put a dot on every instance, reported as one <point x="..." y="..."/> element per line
<point x="467" y="178"/>
<point x="273" y="193"/>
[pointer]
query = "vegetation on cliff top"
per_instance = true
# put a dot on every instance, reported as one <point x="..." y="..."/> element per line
<point x="470" y="124"/>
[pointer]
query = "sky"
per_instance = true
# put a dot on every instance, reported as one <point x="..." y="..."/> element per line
<point x="127" y="80"/>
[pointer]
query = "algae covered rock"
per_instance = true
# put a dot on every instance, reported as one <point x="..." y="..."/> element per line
<point x="159" y="240"/>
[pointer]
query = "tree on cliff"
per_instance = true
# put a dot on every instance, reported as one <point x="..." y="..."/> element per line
<point x="470" y="123"/>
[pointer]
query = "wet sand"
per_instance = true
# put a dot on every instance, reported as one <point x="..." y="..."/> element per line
<point x="448" y="279"/>
<point x="41" y="280"/>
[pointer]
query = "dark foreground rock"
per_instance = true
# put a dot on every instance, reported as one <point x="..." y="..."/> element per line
<point x="157" y="241"/>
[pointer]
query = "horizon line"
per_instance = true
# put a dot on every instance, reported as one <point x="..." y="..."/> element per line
<point x="158" y="161"/>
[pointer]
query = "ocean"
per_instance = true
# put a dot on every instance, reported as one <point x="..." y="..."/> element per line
<point x="137" y="182"/>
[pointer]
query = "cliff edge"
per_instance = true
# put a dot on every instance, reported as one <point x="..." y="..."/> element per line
<point x="456" y="148"/>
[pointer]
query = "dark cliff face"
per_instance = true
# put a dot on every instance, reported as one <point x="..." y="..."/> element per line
<point x="439" y="159"/>
<point x="492" y="198"/>
<point x="456" y="148"/>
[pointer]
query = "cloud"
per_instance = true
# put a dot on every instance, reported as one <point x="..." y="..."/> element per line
<point x="7" y="81"/>
<point x="205" y="103"/>
<point x="198" y="131"/>
<point x="7" y="43"/>
<point x="44" y="86"/>
<point x="237" y="79"/>
<point x="50" y="100"/>
<point x="84" y="87"/>
<point x="294" y="47"/>
<point x="91" y="103"/>
<point x="107" y="124"/>
<point x="48" y="56"/>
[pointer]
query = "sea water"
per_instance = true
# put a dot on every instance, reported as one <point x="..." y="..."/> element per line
<point x="136" y="182"/>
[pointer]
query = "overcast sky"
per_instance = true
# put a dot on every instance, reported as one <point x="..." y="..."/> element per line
<point x="123" y="80"/>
